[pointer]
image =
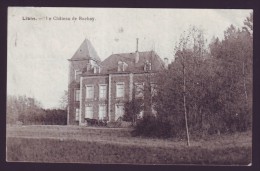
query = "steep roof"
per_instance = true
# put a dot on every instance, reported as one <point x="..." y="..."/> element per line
<point x="110" y="64"/>
<point x="86" y="51"/>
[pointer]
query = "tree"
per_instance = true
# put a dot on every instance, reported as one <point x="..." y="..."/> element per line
<point x="207" y="90"/>
<point x="181" y="54"/>
<point x="132" y="110"/>
<point x="12" y="112"/>
<point x="28" y="110"/>
<point x="142" y="99"/>
<point x="184" y="99"/>
<point x="190" y="54"/>
<point x="248" y="24"/>
<point x="234" y="55"/>
<point x="64" y="100"/>
<point x="23" y="109"/>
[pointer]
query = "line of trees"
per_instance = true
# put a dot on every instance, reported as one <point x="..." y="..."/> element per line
<point x="207" y="89"/>
<point x="27" y="110"/>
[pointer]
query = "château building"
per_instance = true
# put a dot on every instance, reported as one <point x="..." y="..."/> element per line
<point x="99" y="89"/>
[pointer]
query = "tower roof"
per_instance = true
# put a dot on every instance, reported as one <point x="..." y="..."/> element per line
<point x="86" y="51"/>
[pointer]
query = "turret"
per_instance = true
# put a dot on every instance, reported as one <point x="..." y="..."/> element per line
<point x="84" y="59"/>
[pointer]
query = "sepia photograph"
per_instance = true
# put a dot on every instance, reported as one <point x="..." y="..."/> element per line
<point x="138" y="86"/>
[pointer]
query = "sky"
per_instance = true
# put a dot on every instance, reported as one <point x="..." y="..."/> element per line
<point x="39" y="42"/>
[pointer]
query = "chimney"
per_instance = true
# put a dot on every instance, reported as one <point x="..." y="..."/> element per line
<point x="166" y="63"/>
<point x="136" y="52"/>
<point x="136" y="44"/>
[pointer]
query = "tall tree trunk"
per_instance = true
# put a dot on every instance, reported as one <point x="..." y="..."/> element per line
<point x="184" y="104"/>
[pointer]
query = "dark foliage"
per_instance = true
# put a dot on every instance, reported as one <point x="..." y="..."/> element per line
<point x="54" y="117"/>
<point x="150" y="126"/>
<point x="96" y="122"/>
<point x="218" y="86"/>
<point x="45" y="117"/>
<point x="132" y="110"/>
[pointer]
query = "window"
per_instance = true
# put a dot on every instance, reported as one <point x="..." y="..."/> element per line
<point x="121" y="66"/>
<point x="96" y="69"/>
<point x="150" y="66"/>
<point x="139" y="89"/>
<point x="89" y="112"/>
<point x="120" y="89"/>
<point x="102" y="91"/>
<point x="124" y="66"/>
<point x="147" y="66"/>
<point x="153" y="89"/>
<point x="77" y="74"/>
<point x="119" y="111"/>
<point x="102" y="111"/>
<point x="90" y="92"/>
<point x="77" y="114"/>
<point x="77" y="95"/>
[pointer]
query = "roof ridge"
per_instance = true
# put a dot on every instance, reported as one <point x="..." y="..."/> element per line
<point x="110" y="64"/>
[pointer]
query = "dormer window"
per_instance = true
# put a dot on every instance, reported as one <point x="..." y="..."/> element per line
<point x="121" y="66"/>
<point x="96" y="69"/>
<point x="147" y="66"/>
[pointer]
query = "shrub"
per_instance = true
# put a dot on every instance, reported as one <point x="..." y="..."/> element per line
<point x="150" y="126"/>
<point x="114" y="124"/>
<point x="96" y="122"/>
<point x="54" y="117"/>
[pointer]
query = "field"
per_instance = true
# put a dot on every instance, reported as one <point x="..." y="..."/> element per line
<point x="75" y="144"/>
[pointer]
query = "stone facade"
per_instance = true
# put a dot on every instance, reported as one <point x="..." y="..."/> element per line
<point x="99" y="90"/>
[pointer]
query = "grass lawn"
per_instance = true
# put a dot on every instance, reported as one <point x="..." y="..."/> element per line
<point x="114" y="145"/>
